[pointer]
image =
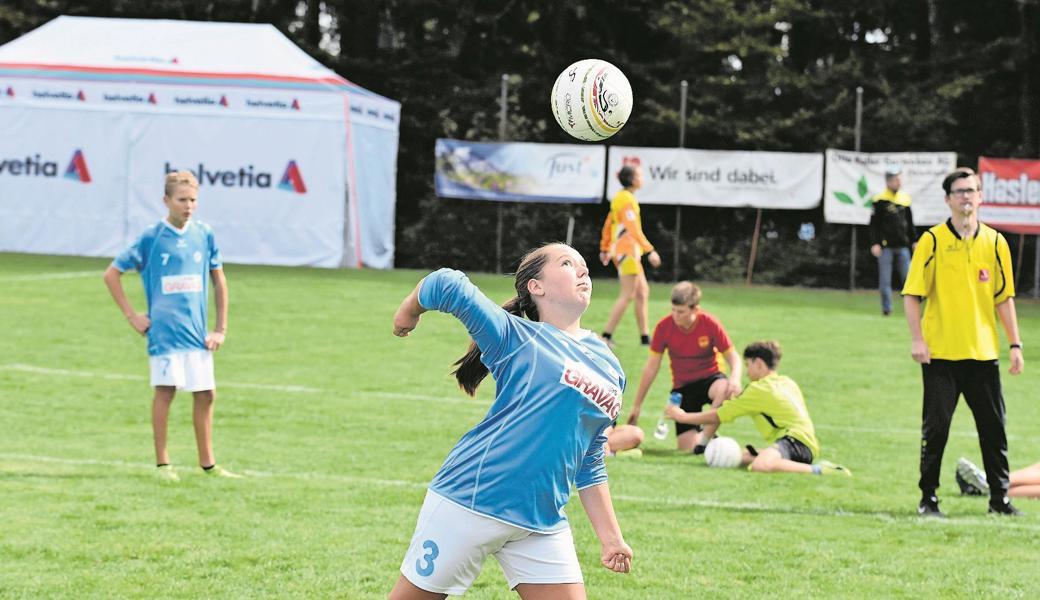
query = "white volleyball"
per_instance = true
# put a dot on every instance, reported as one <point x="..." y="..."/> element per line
<point x="723" y="453"/>
<point x="591" y="100"/>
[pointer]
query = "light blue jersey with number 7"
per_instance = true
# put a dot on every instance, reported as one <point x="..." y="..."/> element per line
<point x="174" y="266"/>
<point x="555" y="395"/>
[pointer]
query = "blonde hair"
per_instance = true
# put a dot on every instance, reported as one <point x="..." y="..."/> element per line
<point x="177" y="178"/>
<point x="686" y="293"/>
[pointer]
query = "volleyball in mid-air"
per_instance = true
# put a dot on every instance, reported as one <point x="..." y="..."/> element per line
<point x="591" y="100"/>
<point x="723" y="453"/>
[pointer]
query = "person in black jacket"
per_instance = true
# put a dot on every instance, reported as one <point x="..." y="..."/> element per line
<point x="892" y="234"/>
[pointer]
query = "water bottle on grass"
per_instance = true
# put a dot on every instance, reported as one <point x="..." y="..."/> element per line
<point x="661" y="431"/>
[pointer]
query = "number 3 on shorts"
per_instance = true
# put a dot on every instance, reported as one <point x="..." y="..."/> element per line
<point x="433" y="552"/>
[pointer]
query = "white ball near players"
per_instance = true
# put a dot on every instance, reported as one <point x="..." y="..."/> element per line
<point x="723" y="453"/>
<point x="592" y="100"/>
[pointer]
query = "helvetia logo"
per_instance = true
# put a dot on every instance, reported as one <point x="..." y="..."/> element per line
<point x="295" y="104"/>
<point x="292" y="180"/>
<point x="244" y="177"/>
<point x="37" y="166"/>
<point x="77" y="168"/>
<point x="10" y="92"/>
<point x="81" y="96"/>
<point x="223" y="101"/>
<point x="151" y="99"/>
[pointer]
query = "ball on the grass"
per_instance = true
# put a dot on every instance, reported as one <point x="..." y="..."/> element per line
<point x="591" y="100"/>
<point x="723" y="453"/>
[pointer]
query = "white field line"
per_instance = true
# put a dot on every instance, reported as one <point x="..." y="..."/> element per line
<point x="299" y="389"/>
<point x="450" y="399"/>
<point x="655" y="500"/>
<point x="447" y="399"/>
<point x="51" y="276"/>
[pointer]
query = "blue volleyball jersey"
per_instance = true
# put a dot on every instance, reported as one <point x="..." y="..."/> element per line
<point x="555" y="395"/>
<point x="174" y="266"/>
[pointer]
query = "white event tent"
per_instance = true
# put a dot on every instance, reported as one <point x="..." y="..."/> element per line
<point x="297" y="165"/>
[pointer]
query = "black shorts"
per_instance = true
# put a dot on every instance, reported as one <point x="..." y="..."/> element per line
<point x="694" y="399"/>
<point x="792" y="449"/>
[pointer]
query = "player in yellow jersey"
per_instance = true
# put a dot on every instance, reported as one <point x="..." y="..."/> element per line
<point x="623" y="242"/>
<point x="775" y="403"/>
<point x="963" y="269"/>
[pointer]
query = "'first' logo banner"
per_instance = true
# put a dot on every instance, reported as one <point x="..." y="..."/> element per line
<point x="1010" y="194"/>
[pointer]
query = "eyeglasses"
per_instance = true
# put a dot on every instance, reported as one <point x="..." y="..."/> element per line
<point x="965" y="192"/>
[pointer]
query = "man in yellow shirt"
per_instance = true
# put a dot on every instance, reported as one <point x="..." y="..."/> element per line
<point x="775" y="404"/>
<point x="962" y="268"/>
<point x="891" y="234"/>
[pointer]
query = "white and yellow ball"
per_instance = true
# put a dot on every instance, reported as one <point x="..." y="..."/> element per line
<point x="723" y="453"/>
<point x="591" y="100"/>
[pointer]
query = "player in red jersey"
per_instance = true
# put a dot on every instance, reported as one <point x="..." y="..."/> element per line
<point x="693" y="339"/>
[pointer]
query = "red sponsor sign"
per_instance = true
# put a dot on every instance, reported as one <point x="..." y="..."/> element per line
<point x="1010" y="194"/>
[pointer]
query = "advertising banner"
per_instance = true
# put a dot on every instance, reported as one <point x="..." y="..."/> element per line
<point x="62" y="182"/>
<point x="165" y="98"/>
<point x="790" y="180"/>
<point x="519" y="172"/>
<point x="853" y="178"/>
<point x="1010" y="194"/>
<point x="273" y="190"/>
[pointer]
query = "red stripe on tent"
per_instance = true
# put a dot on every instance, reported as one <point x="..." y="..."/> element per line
<point x="352" y="188"/>
<point x="163" y="73"/>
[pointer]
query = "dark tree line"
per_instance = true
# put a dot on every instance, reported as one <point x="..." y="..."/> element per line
<point x="956" y="75"/>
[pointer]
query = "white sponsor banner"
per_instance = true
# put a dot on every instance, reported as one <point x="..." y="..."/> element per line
<point x="273" y="190"/>
<point x="853" y="178"/>
<point x="62" y="182"/>
<point x="790" y="180"/>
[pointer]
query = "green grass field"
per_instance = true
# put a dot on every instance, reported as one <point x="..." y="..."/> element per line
<point x="339" y="426"/>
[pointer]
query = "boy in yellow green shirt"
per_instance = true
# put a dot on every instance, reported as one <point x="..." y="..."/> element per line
<point x="775" y="404"/>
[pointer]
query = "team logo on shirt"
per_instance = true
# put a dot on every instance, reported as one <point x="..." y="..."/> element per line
<point x="703" y="341"/>
<point x="983" y="275"/>
<point x="597" y="390"/>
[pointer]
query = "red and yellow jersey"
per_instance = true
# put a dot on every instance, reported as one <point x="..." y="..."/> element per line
<point x="622" y="235"/>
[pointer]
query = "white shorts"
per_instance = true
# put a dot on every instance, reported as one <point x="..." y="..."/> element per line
<point x="191" y="371"/>
<point x="451" y="543"/>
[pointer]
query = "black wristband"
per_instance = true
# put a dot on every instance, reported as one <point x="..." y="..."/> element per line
<point x="1013" y="346"/>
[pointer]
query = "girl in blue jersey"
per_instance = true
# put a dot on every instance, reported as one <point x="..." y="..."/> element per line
<point x="502" y="489"/>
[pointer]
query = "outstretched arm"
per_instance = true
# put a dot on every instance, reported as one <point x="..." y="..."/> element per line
<point x="616" y="555"/>
<point x="653" y="365"/>
<point x="708" y="417"/>
<point x="407" y="316"/>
